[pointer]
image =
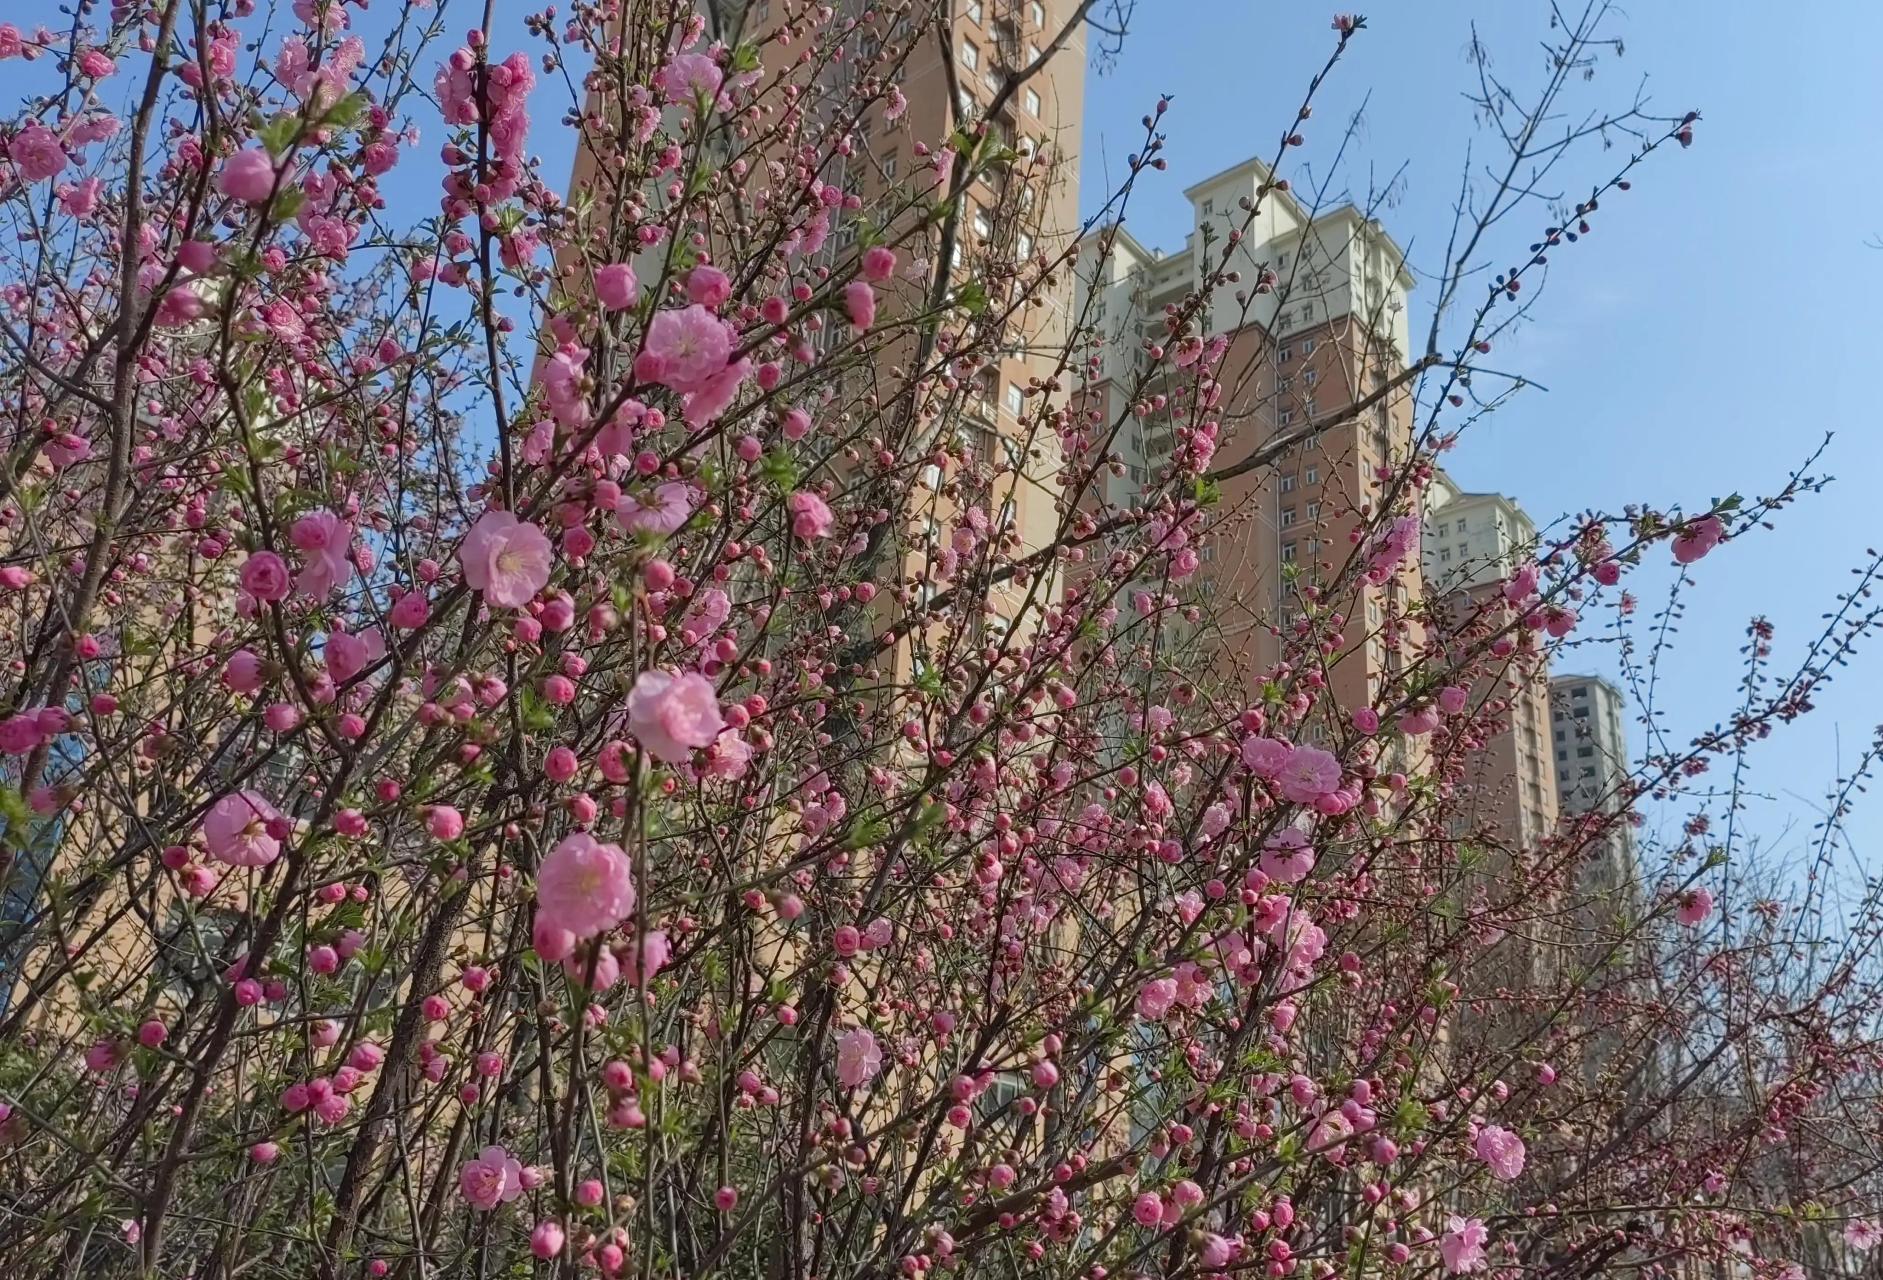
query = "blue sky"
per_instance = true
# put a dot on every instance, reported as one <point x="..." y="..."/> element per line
<point x="1718" y="321"/>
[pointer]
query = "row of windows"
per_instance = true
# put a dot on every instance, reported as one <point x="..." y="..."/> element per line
<point x="1035" y="12"/>
<point x="1310" y="476"/>
<point x="1288" y="514"/>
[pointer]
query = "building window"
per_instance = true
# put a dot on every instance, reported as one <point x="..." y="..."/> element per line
<point x="970" y="56"/>
<point x="1287" y="417"/>
<point x="1032" y="103"/>
<point x="1313" y="475"/>
<point x="982" y="227"/>
<point x="1461" y="524"/>
<point x="991" y="77"/>
<point x="1286" y="354"/>
<point x="1037" y="12"/>
<point x="1015" y="399"/>
<point x="1314" y="511"/>
<point x="1285" y="321"/>
<point x="1585" y="753"/>
<point x="1307" y="346"/>
<point x="1287" y="553"/>
<point x="1309" y="377"/>
<point x="1023" y="245"/>
<point x="1464" y="549"/>
<point x="889" y="167"/>
<point x="973" y="8"/>
<point x="1444" y="555"/>
<point x="1287" y="516"/>
<point x="1578" y="693"/>
<point x="1287" y="484"/>
<point x="1209" y="207"/>
<point x="1444" y="531"/>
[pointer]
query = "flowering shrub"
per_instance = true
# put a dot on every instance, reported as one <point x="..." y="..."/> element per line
<point x="531" y="751"/>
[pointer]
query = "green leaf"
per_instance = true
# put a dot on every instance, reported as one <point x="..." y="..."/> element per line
<point x="280" y="134"/>
<point x="346" y="113"/>
<point x="780" y="470"/>
<point x="971" y="298"/>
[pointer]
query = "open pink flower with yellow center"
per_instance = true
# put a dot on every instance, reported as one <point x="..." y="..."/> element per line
<point x="491" y="1178"/>
<point x="1309" y="774"/>
<point x="673" y="716"/>
<point x="691" y="346"/>
<point x="506" y="559"/>
<point x="1287" y="857"/>
<point x="585" y="886"/>
<point x="236" y="830"/>
<point x="670" y="507"/>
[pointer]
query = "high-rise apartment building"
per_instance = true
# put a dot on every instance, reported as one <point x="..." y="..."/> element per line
<point x="1470" y="544"/>
<point x="1015" y="71"/>
<point x="1592" y="772"/>
<point x="1326" y="328"/>
<point x="1471" y="539"/>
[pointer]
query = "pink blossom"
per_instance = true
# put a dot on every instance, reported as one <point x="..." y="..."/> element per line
<point x="491" y="1178"/>
<point x="1521" y="584"/>
<point x="1287" y="857"/>
<point x="1694" y="906"/>
<point x="810" y="516"/>
<point x="1462" y="1245"/>
<point x="327" y="542"/>
<point x="1309" y="774"/>
<point x="546" y="1239"/>
<point x="1156" y="997"/>
<point x="858" y="1058"/>
<point x="236" y="829"/>
<point x="1863" y="1234"/>
<point x="708" y="286"/>
<point x="1148" y="1209"/>
<point x="670" y="509"/>
<point x="1265" y="757"/>
<point x="674" y="715"/>
<point x="265" y="576"/>
<point x="690" y="345"/>
<point x="506" y="559"/>
<point x="617" y="287"/>
<point x="1391" y="546"/>
<point x="879" y="263"/>
<point x="37" y="153"/>
<point x="249" y="176"/>
<point x="1697" y="538"/>
<point x="348" y="655"/>
<point x="690" y="78"/>
<point x="244" y="672"/>
<point x="1502" y="1150"/>
<point x="585" y="886"/>
<point x="859" y="303"/>
<point x="80" y="199"/>
<point x="706" y="402"/>
<point x="412" y="611"/>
